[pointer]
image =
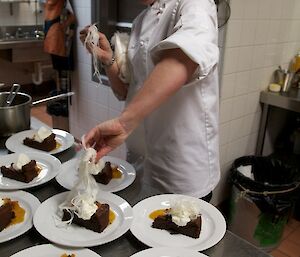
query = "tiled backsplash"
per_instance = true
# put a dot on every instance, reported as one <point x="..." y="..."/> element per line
<point x="19" y="14"/>
<point x="261" y="35"/>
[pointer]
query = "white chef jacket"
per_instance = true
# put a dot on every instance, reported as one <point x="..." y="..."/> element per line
<point x="180" y="138"/>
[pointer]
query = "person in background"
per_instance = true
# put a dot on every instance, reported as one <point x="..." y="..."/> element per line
<point x="172" y="98"/>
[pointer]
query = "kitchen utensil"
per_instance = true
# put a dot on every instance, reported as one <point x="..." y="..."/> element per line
<point x="16" y="117"/>
<point x="12" y="94"/>
<point x="279" y="76"/>
<point x="287" y="81"/>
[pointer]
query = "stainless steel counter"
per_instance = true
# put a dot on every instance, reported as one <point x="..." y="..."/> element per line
<point x="230" y="246"/>
<point x="26" y="43"/>
<point x="286" y="100"/>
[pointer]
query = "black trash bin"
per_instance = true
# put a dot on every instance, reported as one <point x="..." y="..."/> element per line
<point x="59" y="112"/>
<point x="262" y="199"/>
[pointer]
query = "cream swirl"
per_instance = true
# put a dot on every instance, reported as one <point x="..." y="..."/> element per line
<point x="42" y="134"/>
<point x="183" y="211"/>
<point x="23" y="159"/>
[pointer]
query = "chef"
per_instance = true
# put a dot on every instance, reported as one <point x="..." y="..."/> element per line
<point x="171" y="113"/>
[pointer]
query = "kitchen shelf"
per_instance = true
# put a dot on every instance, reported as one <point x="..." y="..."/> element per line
<point x="285" y="100"/>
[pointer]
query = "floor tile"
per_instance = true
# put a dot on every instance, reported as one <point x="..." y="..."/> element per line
<point x="278" y="253"/>
<point x="293" y="223"/>
<point x="289" y="248"/>
<point x="295" y="236"/>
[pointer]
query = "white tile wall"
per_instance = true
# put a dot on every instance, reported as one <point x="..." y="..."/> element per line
<point x="261" y="34"/>
<point x="22" y="14"/>
<point x="94" y="103"/>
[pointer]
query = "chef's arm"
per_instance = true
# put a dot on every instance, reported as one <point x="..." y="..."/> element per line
<point x="169" y="75"/>
<point x="173" y="71"/>
<point x="117" y="85"/>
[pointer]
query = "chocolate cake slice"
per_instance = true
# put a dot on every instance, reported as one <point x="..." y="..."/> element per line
<point x="48" y="144"/>
<point x="98" y="222"/>
<point x="6" y="214"/>
<point x="191" y="229"/>
<point x="26" y="174"/>
<point x="105" y="175"/>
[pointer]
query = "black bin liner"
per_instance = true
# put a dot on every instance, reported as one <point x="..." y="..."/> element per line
<point x="275" y="187"/>
<point x="58" y="107"/>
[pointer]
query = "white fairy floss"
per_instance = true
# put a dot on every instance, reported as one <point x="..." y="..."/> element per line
<point x="1" y="202"/>
<point x="92" y="39"/>
<point x="81" y="199"/>
<point x="120" y="42"/>
<point x="23" y="159"/>
<point x="89" y="162"/>
<point x="42" y="134"/>
<point x="183" y="211"/>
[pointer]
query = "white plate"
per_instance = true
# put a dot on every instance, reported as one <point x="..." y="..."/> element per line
<point x="76" y="236"/>
<point x="69" y="175"/>
<point x="30" y="204"/>
<point x="49" y="164"/>
<point x="15" y="142"/>
<point x="48" y="250"/>
<point x="212" y="231"/>
<point x="168" y="252"/>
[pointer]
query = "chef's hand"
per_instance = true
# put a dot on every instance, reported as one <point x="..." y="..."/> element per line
<point x="103" y="52"/>
<point x="106" y="136"/>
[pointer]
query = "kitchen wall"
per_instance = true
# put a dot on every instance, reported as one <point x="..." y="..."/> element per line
<point x="261" y="35"/>
<point x="22" y="14"/>
<point x="93" y="102"/>
<point x="258" y="39"/>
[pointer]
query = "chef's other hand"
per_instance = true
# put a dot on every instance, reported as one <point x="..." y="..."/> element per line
<point x="106" y="136"/>
<point x="104" y="51"/>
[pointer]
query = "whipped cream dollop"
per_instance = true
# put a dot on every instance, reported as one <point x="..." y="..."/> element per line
<point x="81" y="199"/>
<point x="42" y="134"/>
<point x="23" y="159"/>
<point x="183" y="211"/>
<point x="88" y="163"/>
<point x="1" y="201"/>
<point x="85" y="206"/>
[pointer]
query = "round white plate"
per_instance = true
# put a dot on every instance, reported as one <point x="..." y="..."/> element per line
<point x="76" y="236"/>
<point x="49" y="250"/>
<point x="212" y="231"/>
<point x="30" y="204"/>
<point x="49" y="164"/>
<point x="15" y="142"/>
<point x="69" y="175"/>
<point x="168" y="252"/>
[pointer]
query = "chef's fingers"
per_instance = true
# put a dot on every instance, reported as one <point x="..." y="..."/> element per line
<point x="83" y="143"/>
<point x="91" y="137"/>
<point x="102" y="152"/>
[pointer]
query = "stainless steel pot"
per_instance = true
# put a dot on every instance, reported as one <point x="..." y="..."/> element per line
<point x="16" y="117"/>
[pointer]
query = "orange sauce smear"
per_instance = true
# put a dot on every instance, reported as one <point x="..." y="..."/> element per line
<point x="68" y="255"/>
<point x="58" y="145"/>
<point x="38" y="168"/>
<point x="116" y="173"/>
<point x="19" y="213"/>
<point x="161" y="212"/>
<point x="111" y="217"/>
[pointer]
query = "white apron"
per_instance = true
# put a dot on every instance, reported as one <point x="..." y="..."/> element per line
<point x="180" y="138"/>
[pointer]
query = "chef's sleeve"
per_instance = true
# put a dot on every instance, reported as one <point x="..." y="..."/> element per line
<point x="196" y="34"/>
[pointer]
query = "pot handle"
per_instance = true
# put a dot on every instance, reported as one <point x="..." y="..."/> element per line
<point x="52" y="98"/>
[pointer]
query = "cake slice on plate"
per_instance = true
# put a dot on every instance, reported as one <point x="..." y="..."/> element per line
<point x="183" y="217"/>
<point x="81" y="207"/>
<point x="24" y="169"/>
<point x="43" y="140"/>
<point x="6" y="213"/>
